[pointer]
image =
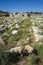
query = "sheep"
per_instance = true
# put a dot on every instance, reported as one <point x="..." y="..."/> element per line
<point x="16" y="49"/>
<point x="23" y="51"/>
<point x="27" y="50"/>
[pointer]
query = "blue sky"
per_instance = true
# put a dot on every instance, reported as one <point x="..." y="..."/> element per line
<point x="21" y="5"/>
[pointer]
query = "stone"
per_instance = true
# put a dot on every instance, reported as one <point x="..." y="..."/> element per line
<point x="14" y="32"/>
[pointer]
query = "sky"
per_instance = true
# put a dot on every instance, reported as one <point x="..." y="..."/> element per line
<point x="13" y="6"/>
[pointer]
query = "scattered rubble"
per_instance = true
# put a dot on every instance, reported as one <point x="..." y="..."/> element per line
<point x="14" y="32"/>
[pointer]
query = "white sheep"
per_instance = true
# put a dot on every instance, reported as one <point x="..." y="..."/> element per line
<point x="28" y="48"/>
<point x="16" y="49"/>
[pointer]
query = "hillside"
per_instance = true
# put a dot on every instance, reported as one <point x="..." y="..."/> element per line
<point x="21" y="38"/>
<point x="2" y="13"/>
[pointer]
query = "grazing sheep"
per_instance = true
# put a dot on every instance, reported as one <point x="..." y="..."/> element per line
<point x="27" y="50"/>
<point x="16" y="49"/>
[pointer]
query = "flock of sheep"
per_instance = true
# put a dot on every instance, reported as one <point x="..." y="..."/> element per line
<point x="24" y="51"/>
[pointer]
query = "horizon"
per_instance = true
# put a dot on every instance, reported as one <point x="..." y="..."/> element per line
<point x="13" y="6"/>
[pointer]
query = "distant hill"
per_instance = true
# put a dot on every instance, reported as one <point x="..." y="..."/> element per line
<point x="2" y="13"/>
<point x="34" y="12"/>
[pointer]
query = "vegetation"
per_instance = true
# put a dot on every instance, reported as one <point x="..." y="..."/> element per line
<point x="24" y="36"/>
<point x="2" y="13"/>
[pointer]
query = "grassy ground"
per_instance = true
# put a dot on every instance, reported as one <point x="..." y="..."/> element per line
<point x="24" y="36"/>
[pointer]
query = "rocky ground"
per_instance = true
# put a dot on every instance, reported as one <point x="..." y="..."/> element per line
<point x="21" y="39"/>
